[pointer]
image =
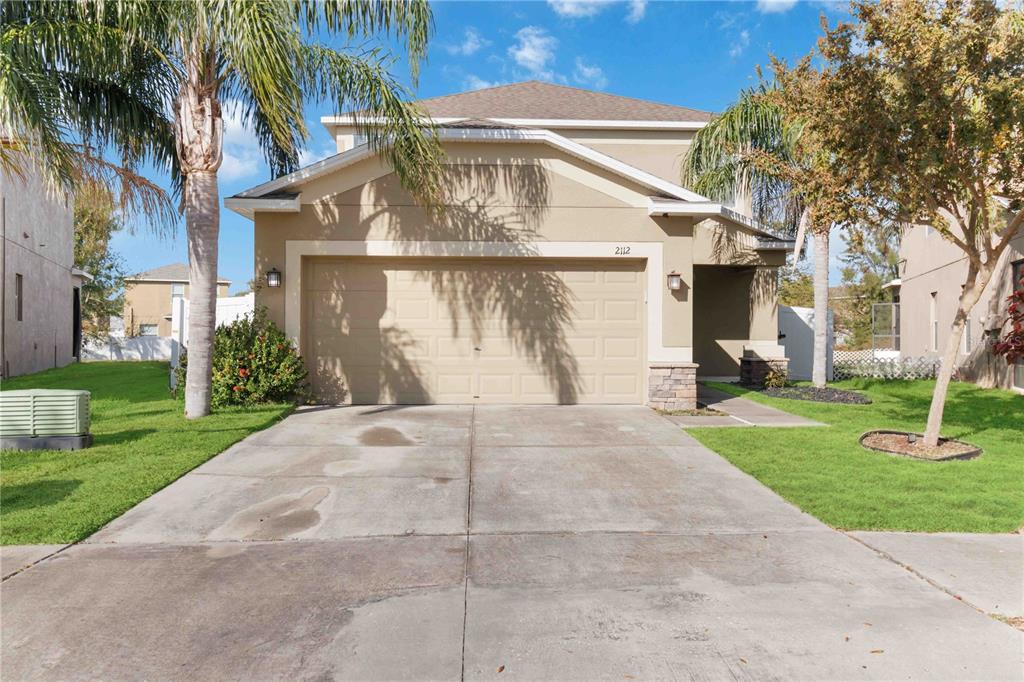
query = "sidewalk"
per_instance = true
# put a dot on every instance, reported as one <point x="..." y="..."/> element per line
<point x="739" y="411"/>
<point x="986" y="571"/>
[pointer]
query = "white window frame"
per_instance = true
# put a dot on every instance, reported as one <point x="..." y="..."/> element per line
<point x="148" y="325"/>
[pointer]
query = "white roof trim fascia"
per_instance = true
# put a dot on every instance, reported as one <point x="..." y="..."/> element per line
<point x="164" y="280"/>
<point x="248" y="206"/>
<point x="710" y="209"/>
<point x="892" y="284"/>
<point x="77" y="272"/>
<point x="243" y="201"/>
<point x="330" y="122"/>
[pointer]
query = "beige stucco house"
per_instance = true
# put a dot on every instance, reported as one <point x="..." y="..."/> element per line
<point x="149" y="297"/>
<point x="568" y="265"/>
<point x="40" y="314"/>
<point x="932" y="272"/>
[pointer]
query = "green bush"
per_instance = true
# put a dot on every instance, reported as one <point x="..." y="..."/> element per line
<point x="776" y="378"/>
<point x="253" y="363"/>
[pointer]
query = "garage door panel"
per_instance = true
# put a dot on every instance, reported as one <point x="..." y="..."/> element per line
<point x="381" y="327"/>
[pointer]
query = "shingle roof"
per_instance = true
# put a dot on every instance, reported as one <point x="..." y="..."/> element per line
<point x="175" y="272"/>
<point x="535" y="99"/>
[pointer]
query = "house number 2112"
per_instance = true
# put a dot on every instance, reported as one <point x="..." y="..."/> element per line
<point x="621" y="250"/>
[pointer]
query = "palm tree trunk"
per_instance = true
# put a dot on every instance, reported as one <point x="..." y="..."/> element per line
<point x="202" y="222"/>
<point x="820" y="367"/>
<point x="973" y="287"/>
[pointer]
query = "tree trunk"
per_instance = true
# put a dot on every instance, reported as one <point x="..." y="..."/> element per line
<point x="973" y="287"/>
<point x="820" y="367"/>
<point x="202" y="222"/>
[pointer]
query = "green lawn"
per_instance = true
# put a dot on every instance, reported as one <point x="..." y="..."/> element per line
<point x="825" y="472"/>
<point x="142" y="443"/>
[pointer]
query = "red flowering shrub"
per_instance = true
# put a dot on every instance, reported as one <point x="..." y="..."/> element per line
<point x="253" y="363"/>
<point x="1011" y="346"/>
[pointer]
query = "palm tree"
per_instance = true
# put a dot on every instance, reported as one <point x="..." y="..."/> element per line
<point x="176" y="64"/>
<point x="752" y="154"/>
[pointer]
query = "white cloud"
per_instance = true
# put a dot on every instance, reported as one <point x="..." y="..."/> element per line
<point x="308" y="156"/>
<point x="637" y="9"/>
<point x="577" y="9"/>
<point x="774" y="6"/>
<point x="584" y="9"/>
<point x="740" y="44"/>
<point x="474" y="82"/>
<point x="589" y="74"/>
<point x="471" y="43"/>
<point x="242" y="156"/>
<point x="534" y="50"/>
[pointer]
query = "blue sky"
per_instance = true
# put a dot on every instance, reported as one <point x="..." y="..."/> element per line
<point x="695" y="54"/>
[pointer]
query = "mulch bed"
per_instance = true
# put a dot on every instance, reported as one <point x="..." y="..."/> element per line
<point x="818" y="395"/>
<point x="897" y="443"/>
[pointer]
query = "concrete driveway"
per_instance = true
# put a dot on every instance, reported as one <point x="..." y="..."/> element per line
<point x="487" y="542"/>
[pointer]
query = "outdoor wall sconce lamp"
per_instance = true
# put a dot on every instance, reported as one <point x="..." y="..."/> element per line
<point x="273" y="278"/>
<point x="675" y="281"/>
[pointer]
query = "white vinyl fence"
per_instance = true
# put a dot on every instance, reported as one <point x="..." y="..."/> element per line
<point x="229" y="309"/>
<point x="796" y="335"/>
<point x="130" y="348"/>
<point x="117" y="346"/>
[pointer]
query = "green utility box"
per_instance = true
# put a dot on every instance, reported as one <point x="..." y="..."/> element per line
<point x="44" y="419"/>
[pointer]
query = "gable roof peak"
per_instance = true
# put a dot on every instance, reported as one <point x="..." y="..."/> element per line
<point x="541" y="100"/>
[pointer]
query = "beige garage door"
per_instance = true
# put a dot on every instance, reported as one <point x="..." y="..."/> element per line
<point x="459" y="330"/>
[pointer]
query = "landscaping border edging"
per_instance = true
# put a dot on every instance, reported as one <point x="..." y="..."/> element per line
<point x="971" y="454"/>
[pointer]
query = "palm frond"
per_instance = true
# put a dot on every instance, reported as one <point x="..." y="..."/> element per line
<point x="411" y="21"/>
<point x="399" y="131"/>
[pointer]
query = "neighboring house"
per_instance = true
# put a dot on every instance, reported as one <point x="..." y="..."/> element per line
<point x="149" y="298"/>
<point x="931" y="278"/>
<point x="40" y="313"/>
<point x="568" y="265"/>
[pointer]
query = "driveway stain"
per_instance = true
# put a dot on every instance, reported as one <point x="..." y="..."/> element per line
<point x="277" y="518"/>
<point x="384" y="436"/>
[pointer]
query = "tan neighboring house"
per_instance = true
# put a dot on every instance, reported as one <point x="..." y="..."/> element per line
<point x="569" y="265"/>
<point x="149" y="297"/>
<point x="40" y="314"/>
<point x="931" y="277"/>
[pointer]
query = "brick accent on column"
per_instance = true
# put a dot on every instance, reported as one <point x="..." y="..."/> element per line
<point x="754" y="369"/>
<point x="672" y="386"/>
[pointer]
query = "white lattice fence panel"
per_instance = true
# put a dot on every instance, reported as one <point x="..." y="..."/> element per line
<point x="851" y="364"/>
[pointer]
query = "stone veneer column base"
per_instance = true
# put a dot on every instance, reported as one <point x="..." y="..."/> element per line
<point x="672" y="386"/>
<point x="753" y="370"/>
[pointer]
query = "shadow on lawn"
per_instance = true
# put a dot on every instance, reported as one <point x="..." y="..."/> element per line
<point x="969" y="409"/>
<point x="36" y="494"/>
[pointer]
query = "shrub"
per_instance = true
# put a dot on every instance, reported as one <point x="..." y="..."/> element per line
<point x="253" y="363"/>
<point x="776" y="378"/>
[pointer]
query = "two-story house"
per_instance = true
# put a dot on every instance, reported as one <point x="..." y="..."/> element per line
<point x="149" y="298"/>
<point x="567" y="265"/>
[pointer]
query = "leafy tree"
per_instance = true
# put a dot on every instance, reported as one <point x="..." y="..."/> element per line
<point x="870" y="261"/>
<point x="151" y="79"/>
<point x="762" y="150"/>
<point x="96" y="220"/>
<point x="921" y="103"/>
<point x="796" y="287"/>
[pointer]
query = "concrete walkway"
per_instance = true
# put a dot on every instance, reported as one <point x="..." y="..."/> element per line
<point x="986" y="571"/>
<point x="738" y="412"/>
<point x="482" y="543"/>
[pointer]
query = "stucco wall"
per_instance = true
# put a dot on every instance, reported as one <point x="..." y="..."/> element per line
<point x="38" y="244"/>
<point x="935" y="265"/>
<point x="150" y="303"/>
<point x="655" y="151"/>
<point x="507" y="192"/>
<point x="515" y="193"/>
